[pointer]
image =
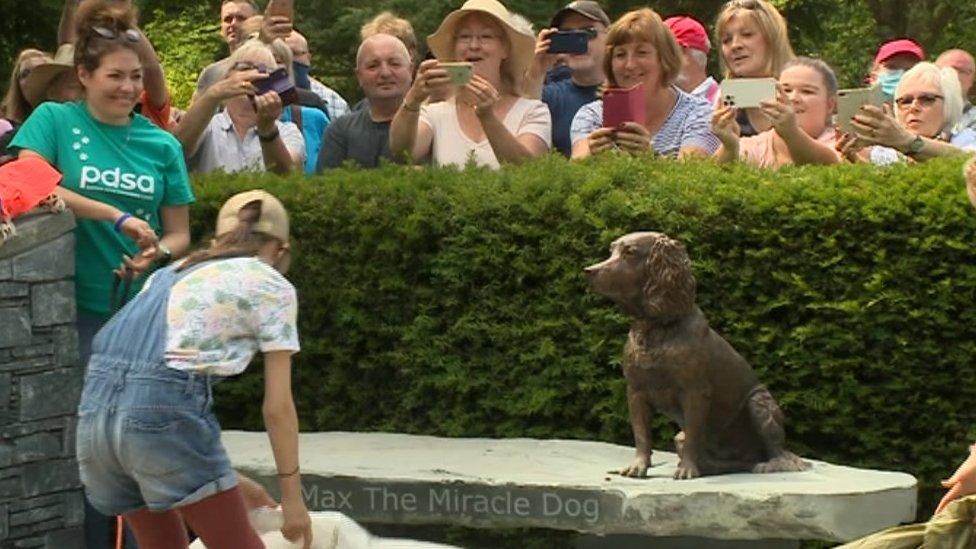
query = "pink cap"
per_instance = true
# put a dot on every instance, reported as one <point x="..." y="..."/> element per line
<point x="894" y="47"/>
<point x="688" y="32"/>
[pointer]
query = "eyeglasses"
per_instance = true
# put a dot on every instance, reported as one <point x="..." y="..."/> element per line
<point x="130" y="35"/>
<point x="746" y="4"/>
<point x="591" y="32"/>
<point x="924" y="100"/>
<point x="482" y="38"/>
<point x="248" y="66"/>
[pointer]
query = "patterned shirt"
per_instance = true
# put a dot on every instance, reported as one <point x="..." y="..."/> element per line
<point x="224" y="312"/>
<point x="689" y="124"/>
<point x="334" y="103"/>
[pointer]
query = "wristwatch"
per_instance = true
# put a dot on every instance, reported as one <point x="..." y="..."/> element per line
<point x="915" y="146"/>
<point x="165" y="254"/>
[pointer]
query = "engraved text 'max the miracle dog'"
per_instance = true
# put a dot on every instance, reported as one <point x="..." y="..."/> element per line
<point x="675" y="364"/>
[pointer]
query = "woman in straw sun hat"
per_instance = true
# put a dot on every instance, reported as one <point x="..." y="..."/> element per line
<point x="486" y="121"/>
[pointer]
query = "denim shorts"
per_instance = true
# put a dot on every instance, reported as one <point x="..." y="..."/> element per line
<point x="147" y="437"/>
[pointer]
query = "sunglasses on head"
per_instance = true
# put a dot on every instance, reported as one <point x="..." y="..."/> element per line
<point x="925" y="100"/>
<point x="24" y="73"/>
<point x="129" y="35"/>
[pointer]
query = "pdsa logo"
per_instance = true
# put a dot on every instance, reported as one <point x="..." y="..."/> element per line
<point x="117" y="179"/>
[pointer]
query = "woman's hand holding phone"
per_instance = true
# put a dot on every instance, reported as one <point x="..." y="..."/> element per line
<point x="781" y="114"/>
<point x="724" y="125"/>
<point x="481" y="95"/>
<point x="430" y="78"/>
<point x="600" y="140"/>
<point x="633" y="138"/>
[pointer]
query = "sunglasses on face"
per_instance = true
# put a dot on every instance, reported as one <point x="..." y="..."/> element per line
<point x="924" y="100"/>
<point x="129" y="35"/>
<point x="591" y="32"/>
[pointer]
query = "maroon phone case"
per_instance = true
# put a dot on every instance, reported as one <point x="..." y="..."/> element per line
<point x="623" y="105"/>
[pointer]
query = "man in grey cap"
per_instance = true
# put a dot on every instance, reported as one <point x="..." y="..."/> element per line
<point x="565" y="96"/>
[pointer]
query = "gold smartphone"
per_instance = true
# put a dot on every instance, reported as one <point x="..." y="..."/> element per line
<point x="850" y="101"/>
<point x="459" y="72"/>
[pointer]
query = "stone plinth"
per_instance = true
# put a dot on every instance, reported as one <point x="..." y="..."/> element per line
<point x="566" y="484"/>
<point x="40" y="382"/>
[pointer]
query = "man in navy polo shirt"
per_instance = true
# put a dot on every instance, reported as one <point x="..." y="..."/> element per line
<point x="565" y="96"/>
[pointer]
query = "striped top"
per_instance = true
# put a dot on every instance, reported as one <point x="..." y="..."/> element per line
<point x="689" y="124"/>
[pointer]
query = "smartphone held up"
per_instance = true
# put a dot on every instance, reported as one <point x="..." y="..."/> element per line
<point x="622" y="105"/>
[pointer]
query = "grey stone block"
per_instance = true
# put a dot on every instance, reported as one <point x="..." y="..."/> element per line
<point x="27" y="365"/>
<point x="15" y="326"/>
<point x="70" y="538"/>
<point x="18" y="430"/>
<point x="6" y="383"/>
<point x="7" y="450"/>
<point x="37" y="447"/>
<point x="74" y="508"/>
<point x="6" y="269"/>
<point x="53" y="303"/>
<point x="66" y="346"/>
<point x="45" y="477"/>
<point x="70" y="428"/>
<point x="49" y="394"/>
<point x="10" y="489"/>
<point x="31" y="351"/>
<point x="4" y="522"/>
<point x="33" y="230"/>
<point x="14" y="289"/>
<point x="53" y="260"/>
<point x="35" y="515"/>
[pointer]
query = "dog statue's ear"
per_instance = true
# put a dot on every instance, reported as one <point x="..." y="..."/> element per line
<point x="669" y="287"/>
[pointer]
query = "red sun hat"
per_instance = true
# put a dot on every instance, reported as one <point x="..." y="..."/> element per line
<point x="894" y="47"/>
<point x="688" y="32"/>
<point x="24" y="183"/>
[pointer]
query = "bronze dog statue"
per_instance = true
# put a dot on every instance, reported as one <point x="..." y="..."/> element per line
<point x="675" y="364"/>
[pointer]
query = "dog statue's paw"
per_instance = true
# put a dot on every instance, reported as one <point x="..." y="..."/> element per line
<point x="637" y="468"/>
<point x="787" y="462"/>
<point x="686" y="470"/>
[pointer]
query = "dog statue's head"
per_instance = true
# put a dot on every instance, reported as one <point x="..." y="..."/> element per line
<point x="648" y="275"/>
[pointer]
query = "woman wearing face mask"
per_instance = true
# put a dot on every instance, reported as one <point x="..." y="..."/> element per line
<point x="486" y="121"/>
<point x="891" y="62"/>
<point x="640" y="49"/>
<point x="928" y="102"/>
<point x="802" y="132"/>
<point x="754" y="44"/>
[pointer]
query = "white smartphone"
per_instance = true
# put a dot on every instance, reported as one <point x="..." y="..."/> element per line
<point x="850" y="101"/>
<point x="746" y="93"/>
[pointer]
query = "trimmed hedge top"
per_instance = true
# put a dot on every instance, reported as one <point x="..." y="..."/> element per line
<point x="453" y="303"/>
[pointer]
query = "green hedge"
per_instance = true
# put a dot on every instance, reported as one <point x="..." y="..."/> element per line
<point x="452" y="303"/>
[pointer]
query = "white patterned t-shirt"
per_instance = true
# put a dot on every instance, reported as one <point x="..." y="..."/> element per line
<point x="225" y="311"/>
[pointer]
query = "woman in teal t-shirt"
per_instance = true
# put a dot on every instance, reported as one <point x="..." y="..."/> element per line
<point x="124" y="178"/>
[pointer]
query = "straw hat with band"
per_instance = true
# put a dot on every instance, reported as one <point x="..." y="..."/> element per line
<point x="521" y="45"/>
<point x="42" y="76"/>
<point x="272" y="221"/>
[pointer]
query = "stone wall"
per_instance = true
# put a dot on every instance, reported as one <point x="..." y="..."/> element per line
<point x="40" y="382"/>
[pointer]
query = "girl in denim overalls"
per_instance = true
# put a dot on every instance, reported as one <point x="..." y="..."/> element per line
<point x="148" y="443"/>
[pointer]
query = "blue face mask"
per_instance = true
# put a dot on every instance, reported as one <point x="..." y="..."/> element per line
<point x="301" y="75"/>
<point x="888" y="80"/>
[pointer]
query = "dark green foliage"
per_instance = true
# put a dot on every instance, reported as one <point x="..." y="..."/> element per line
<point x="452" y="303"/>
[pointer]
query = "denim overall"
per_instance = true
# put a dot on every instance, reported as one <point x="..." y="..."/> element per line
<point x="146" y="434"/>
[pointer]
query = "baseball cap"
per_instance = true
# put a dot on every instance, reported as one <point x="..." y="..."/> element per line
<point x="587" y="8"/>
<point x="688" y="32"/>
<point x="272" y="221"/>
<point x="894" y="47"/>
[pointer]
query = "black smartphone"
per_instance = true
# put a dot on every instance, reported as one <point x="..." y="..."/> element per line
<point x="574" y="41"/>
<point x="279" y="82"/>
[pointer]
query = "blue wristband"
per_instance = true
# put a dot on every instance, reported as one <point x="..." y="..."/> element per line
<point x="120" y="221"/>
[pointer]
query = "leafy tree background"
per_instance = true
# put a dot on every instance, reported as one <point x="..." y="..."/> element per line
<point x="845" y="33"/>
